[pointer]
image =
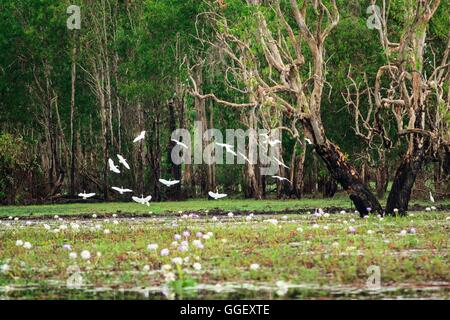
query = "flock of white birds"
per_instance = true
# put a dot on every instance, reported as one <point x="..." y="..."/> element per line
<point x="169" y="183"/>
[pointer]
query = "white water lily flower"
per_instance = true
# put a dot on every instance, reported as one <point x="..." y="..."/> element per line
<point x="116" y="222"/>
<point x="55" y="231"/>
<point x="370" y="232"/>
<point x="114" y="215"/>
<point x="63" y="227"/>
<point x="67" y="247"/>
<point x="106" y="231"/>
<point x="433" y="208"/>
<point x="10" y="217"/>
<point x="4" y="268"/>
<point x="352" y="220"/>
<point x="47" y="227"/>
<point x="186" y="234"/>
<point x="56" y="217"/>
<point x="315" y="226"/>
<point x="254" y="266"/>
<point x="345" y="222"/>
<point x="206" y="236"/>
<point x="335" y="244"/>
<point x="198" y="244"/>
<point x="395" y="210"/>
<point x="299" y="229"/>
<point x="174" y="244"/>
<point x="27" y="245"/>
<point x="165" y="252"/>
<point x="170" y="276"/>
<point x="177" y="237"/>
<point x="248" y="218"/>
<point x="343" y="212"/>
<point x="177" y="260"/>
<point x="19" y="243"/>
<point x="351" y="229"/>
<point x="428" y="209"/>
<point x="73" y="255"/>
<point x="86" y="255"/>
<point x="16" y="219"/>
<point x="166" y="268"/>
<point x="403" y="232"/>
<point x="326" y="227"/>
<point x="75" y="226"/>
<point x="146" y="268"/>
<point x="197" y="266"/>
<point x="94" y="216"/>
<point x="230" y="214"/>
<point x="284" y="217"/>
<point x="152" y="247"/>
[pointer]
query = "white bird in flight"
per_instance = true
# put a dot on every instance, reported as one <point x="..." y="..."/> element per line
<point x="308" y="141"/>
<point x="228" y="148"/>
<point x="142" y="200"/>
<point x="121" y="190"/>
<point x="181" y="144"/>
<point x="280" y="163"/>
<point x="123" y="161"/>
<point x="140" y="137"/>
<point x="169" y="183"/>
<point x="269" y="141"/>
<point x="85" y="195"/>
<point x="281" y="178"/>
<point x="217" y="195"/>
<point x="244" y="157"/>
<point x="113" y="167"/>
<point x="431" y="197"/>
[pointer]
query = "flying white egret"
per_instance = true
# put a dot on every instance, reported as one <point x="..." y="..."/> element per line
<point x="280" y="163"/>
<point x="228" y="148"/>
<point x="142" y="200"/>
<point x="169" y="183"/>
<point x="217" y="195"/>
<point x="121" y="190"/>
<point x="244" y="157"/>
<point x="281" y="178"/>
<point x="269" y="141"/>
<point x="140" y="137"/>
<point x="431" y="197"/>
<point x="181" y="144"/>
<point x="85" y="195"/>
<point x="123" y="161"/>
<point x="113" y="167"/>
<point x="308" y="141"/>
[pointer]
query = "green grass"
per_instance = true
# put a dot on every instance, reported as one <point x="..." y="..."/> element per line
<point x="328" y="258"/>
<point x="185" y="206"/>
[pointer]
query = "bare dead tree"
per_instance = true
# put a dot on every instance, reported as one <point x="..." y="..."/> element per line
<point x="404" y="92"/>
<point x="285" y="88"/>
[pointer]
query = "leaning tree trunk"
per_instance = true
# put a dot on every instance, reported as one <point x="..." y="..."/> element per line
<point x="404" y="181"/>
<point x="346" y="175"/>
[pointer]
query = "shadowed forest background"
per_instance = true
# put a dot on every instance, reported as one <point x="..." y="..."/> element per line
<point x="70" y="99"/>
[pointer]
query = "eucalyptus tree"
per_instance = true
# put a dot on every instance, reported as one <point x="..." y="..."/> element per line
<point x="291" y="77"/>
<point x="410" y="91"/>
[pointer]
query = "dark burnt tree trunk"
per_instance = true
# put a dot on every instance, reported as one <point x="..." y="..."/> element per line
<point x="404" y="179"/>
<point x="346" y="175"/>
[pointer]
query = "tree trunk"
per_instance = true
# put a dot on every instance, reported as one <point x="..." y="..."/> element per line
<point x="73" y="134"/>
<point x="404" y="181"/>
<point x="345" y="174"/>
<point x="175" y="169"/>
